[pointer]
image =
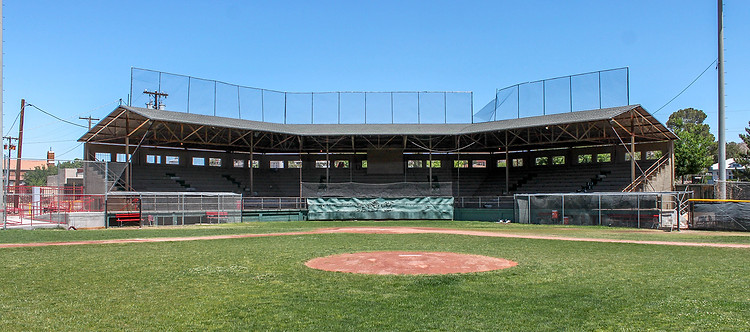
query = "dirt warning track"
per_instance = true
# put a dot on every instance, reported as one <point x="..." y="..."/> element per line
<point x="375" y="230"/>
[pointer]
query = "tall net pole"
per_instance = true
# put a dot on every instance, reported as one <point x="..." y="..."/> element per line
<point x="2" y="179"/>
<point x="722" y="138"/>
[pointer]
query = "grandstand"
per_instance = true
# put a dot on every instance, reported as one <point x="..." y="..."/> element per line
<point x="384" y="155"/>
<point x="582" y="151"/>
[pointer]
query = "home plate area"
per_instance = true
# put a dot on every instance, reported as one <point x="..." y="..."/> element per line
<point x="408" y="262"/>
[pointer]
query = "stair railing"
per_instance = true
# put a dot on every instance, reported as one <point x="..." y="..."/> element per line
<point x="647" y="173"/>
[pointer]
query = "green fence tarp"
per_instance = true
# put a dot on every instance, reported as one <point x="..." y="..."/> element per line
<point x="727" y="216"/>
<point x="349" y="208"/>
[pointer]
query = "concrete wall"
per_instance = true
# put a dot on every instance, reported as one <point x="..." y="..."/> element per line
<point x="661" y="180"/>
<point x="86" y="219"/>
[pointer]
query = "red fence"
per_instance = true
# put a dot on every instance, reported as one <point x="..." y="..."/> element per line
<point x="27" y="205"/>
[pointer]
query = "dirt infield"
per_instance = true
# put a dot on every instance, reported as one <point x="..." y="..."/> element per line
<point x="408" y="262"/>
<point x="376" y="230"/>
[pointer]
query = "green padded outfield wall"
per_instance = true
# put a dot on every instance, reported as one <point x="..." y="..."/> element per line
<point x="349" y="208"/>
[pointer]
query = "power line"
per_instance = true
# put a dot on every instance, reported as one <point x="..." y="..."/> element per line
<point x="56" y="117"/>
<point x="14" y="123"/>
<point x="689" y="85"/>
<point x="64" y="153"/>
<point x="45" y="142"/>
<point x="80" y="114"/>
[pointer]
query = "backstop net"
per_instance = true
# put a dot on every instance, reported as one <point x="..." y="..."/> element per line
<point x="586" y="91"/>
<point x="209" y="97"/>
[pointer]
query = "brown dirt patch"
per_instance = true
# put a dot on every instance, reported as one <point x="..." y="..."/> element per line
<point x="408" y="262"/>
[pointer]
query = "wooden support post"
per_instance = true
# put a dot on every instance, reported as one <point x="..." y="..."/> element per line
<point x="252" y="161"/>
<point x="429" y="164"/>
<point x="17" y="197"/>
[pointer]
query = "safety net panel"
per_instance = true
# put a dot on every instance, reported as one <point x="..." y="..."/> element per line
<point x="353" y="208"/>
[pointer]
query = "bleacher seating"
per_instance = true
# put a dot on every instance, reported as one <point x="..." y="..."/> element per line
<point x="285" y="182"/>
<point x="594" y="177"/>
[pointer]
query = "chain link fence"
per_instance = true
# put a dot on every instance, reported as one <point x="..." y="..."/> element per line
<point x="637" y="210"/>
<point x="735" y="190"/>
<point x="484" y="202"/>
<point x="273" y="203"/>
<point x="156" y="209"/>
<point x="730" y="214"/>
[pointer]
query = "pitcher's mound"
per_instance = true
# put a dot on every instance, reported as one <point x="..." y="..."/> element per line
<point x="407" y="262"/>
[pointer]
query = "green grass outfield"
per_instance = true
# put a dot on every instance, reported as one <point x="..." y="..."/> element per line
<point x="262" y="283"/>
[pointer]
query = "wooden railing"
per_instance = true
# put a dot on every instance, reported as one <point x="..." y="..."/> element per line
<point x="656" y="166"/>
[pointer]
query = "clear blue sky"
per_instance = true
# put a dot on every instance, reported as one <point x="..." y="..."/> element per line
<point x="73" y="58"/>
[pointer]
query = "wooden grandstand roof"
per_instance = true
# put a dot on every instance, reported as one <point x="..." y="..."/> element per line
<point x="174" y="129"/>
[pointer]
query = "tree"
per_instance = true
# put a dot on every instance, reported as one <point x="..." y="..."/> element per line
<point x="38" y="175"/>
<point x="76" y="163"/>
<point x="686" y="116"/>
<point x="693" y="149"/>
<point x="736" y="150"/>
<point x="744" y="158"/>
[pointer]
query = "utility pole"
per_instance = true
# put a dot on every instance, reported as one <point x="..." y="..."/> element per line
<point x="156" y="95"/>
<point x="722" y="129"/>
<point x="86" y="145"/>
<point x="6" y="176"/>
<point x="18" y="155"/>
<point x="89" y="118"/>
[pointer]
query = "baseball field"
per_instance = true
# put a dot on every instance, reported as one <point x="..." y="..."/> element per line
<point x="253" y="276"/>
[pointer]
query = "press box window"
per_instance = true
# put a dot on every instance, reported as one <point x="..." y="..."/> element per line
<point x="121" y="158"/>
<point x="215" y="162"/>
<point x="153" y="159"/>
<point x="460" y="163"/>
<point x="321" y="164"/>
<point x="199" y="161"/>
<point x="541" y="161"/>
<point x="341" y="164"/>
<point x="172" y="160"/>
<point x="558" y="160"/>
<point x="434" y="164"/>
<point x="414" y="164"/>
<point x="276" y="164"/>
<point x="102" y="156"/>
<point x="238" y="163"/>
<point x="502" y="163"/>
<point x="653" y="155"/>
<point x="364" y="163"/>
<point x="637" y="156"/>
<point x="518" y="162"/>
<point x="295" y="164"/>
<point x="479" y="164"/>
<point x="255" y="163"/>
<point x="585" y="159"/>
